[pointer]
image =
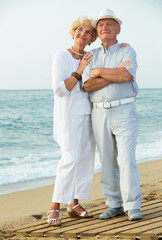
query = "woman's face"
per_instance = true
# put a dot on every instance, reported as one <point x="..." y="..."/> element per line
<point x="83" y="35"/>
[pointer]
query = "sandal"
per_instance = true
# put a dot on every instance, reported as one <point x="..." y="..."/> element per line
<point x="49" y="221"/>
<point x="74" y="214"/>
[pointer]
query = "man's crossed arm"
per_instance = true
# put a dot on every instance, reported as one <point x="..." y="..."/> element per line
<point x="101" y="77"/>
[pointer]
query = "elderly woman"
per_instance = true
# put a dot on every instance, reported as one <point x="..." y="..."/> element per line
<point x="72" y="125"/>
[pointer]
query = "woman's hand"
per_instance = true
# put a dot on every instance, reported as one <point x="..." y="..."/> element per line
<point x="124" y="45"/>
<point x="125" y="64"/>
<point x="88" y="57"/>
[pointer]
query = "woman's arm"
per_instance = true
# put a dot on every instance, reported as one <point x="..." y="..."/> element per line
<point x="71" y="81"/>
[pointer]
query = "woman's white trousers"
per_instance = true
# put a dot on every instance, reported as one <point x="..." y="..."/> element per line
<point x="76" y="166"/>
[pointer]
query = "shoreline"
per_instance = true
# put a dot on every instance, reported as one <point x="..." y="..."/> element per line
<point x="19" y="208"/>
<point x="30" y="184"/>
<point x="27" y="185"/>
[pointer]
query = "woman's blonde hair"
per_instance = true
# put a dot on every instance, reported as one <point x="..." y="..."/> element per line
<point x="83" y="21"/>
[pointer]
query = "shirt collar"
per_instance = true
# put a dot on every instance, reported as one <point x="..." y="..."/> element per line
<point x="111" y="48"/>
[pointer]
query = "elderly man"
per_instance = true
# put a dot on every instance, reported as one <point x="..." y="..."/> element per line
<point x="110" y="79"/>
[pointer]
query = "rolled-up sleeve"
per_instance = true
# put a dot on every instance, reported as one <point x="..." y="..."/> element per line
<point x="59" y="76"/>
<point x="130" y="54"/>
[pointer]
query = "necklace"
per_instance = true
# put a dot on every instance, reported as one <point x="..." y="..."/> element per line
<point x="80" y="54"/>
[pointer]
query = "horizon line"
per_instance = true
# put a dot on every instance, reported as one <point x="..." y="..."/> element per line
<point x="42" y="89"/>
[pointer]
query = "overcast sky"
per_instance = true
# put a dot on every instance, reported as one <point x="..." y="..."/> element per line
<point x="31" y="31"/>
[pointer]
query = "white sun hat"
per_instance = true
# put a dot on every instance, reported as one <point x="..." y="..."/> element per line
<point x="105" y="13"/>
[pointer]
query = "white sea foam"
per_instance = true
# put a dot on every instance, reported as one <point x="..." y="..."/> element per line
<point x="149" y="151"/>
<point x="29" y="168"/>
<point x="43" y="165"/>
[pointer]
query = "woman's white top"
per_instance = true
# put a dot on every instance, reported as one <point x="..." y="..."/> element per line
<point x="66" y="103"/>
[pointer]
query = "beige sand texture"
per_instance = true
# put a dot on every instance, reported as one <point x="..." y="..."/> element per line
<point x="23" y="207"/>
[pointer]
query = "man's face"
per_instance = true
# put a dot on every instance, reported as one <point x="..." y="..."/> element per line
<point x="107" y="29"/>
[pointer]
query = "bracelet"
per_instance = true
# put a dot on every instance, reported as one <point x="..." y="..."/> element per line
<point x="77" y="76"/>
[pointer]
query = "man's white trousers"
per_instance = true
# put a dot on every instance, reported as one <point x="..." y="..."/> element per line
<point x="115" y="131"/>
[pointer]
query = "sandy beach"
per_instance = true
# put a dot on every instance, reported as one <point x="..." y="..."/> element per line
<point x="26" y="206"/>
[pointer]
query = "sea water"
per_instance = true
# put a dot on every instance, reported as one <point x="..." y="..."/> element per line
<point x="28" y="150"/>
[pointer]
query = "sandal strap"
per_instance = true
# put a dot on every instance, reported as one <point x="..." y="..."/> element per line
<point x="76" y="206"/>
<point x="54" y="216"/>
<point x="84" y="213"/>
<point x="54" y="210"/>
<point x="53" y="219"/>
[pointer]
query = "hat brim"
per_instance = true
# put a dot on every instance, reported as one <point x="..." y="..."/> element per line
<point x="94" y="24"/>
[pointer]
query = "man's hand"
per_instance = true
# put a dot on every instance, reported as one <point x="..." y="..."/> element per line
<point x="124" y="64"/>
<point x="94" y="73"/>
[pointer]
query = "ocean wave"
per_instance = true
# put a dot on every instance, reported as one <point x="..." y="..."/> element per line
<point x="35" y="166"/>
<point x="149" y="151"/>
<point x="31" y="159"/>
<point x="30" y="167"/>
